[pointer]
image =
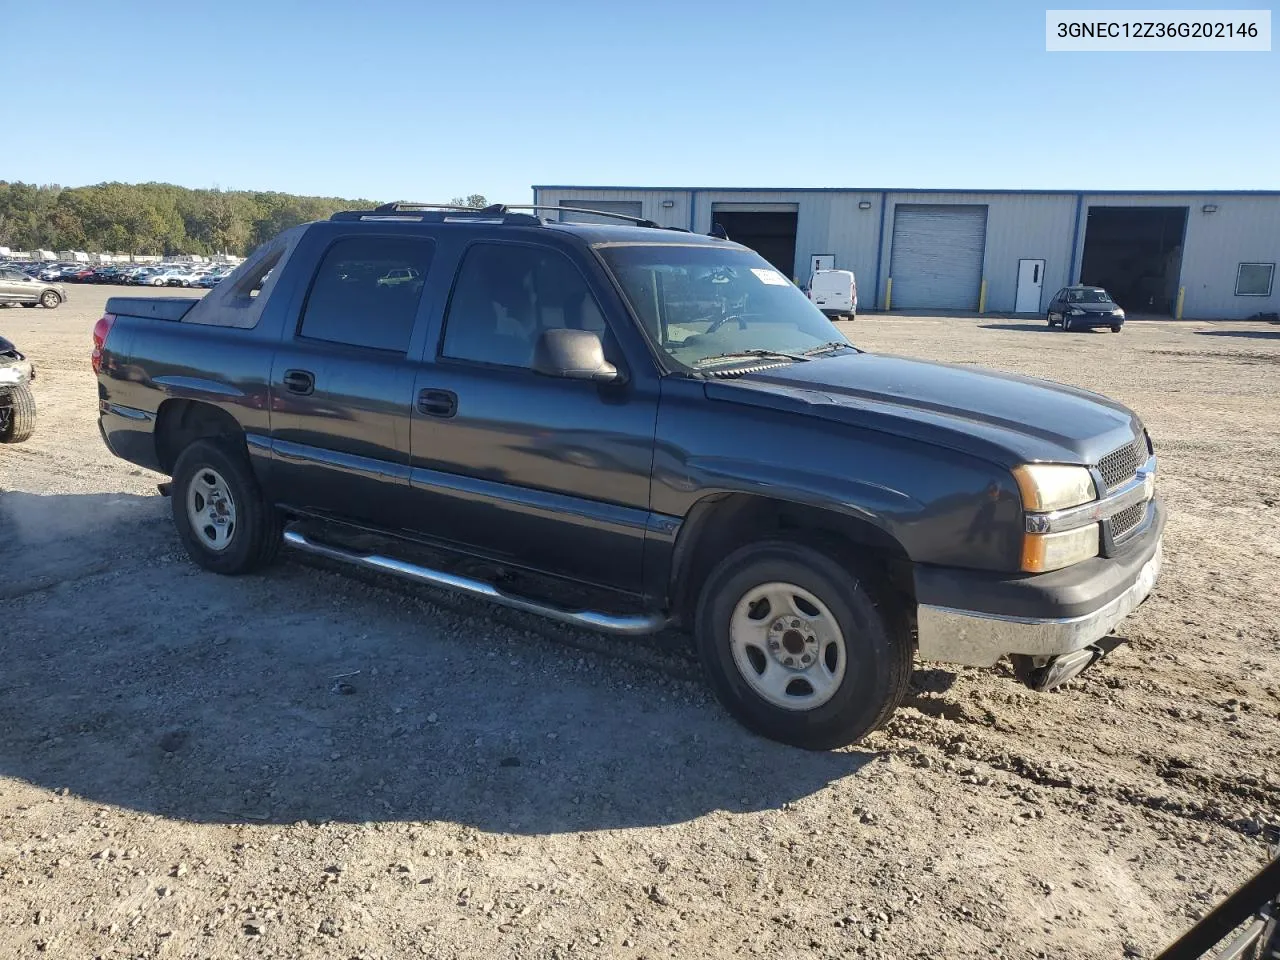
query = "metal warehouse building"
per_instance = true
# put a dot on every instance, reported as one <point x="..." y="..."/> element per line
<point x="1210" y="255"/>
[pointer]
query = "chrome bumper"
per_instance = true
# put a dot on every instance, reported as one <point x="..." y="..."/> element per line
<point x="977" y="639"/>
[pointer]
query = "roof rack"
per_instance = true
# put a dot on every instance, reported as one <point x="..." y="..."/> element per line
<point x="494" y="213"/>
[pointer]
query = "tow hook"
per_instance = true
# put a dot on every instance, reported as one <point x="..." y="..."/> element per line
<point x="1048" y="673"/>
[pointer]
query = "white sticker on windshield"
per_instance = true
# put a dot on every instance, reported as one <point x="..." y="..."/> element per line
<point x="771" y="277"/>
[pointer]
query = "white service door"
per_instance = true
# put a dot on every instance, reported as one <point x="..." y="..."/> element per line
<point x="1030" y="286"/>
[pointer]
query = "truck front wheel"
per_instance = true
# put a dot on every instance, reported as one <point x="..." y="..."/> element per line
<point x="224" y="521"/>
<point x="796" y="648"/>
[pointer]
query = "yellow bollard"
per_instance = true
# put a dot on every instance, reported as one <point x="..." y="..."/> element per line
<point x="982" y="296"/>
<point x="888" y="294"/>
<point x="1177" y="313"/>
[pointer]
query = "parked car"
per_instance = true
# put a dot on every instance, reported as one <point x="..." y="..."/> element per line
<point x="1084" y="308"/>
<point x="834" y="292"/>
<point x="211" y="280"/>
<point x="18" y="287"/>
<point x="172" y="277"/>
<point x="536" y="428"/>
<point x="17" y="404"/>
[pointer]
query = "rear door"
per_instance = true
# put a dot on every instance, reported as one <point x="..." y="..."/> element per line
<point x="341" y="380"/>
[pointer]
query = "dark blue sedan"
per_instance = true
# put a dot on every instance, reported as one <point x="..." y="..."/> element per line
<point x="1084" y="308"/>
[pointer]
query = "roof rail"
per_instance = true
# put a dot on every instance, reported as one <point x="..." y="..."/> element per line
<point x="438" y="213"/>
<point x="494" y="213"/>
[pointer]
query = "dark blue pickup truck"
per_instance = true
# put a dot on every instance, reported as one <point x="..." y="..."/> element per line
<point x="628" y="428"/>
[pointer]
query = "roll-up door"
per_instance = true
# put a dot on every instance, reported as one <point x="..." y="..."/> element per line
<point x="936" y="262"/>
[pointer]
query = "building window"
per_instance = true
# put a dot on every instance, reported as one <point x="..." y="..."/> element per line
<point x="1254" y="279"/>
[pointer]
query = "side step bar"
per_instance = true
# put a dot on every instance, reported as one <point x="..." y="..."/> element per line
<point x="627" y="626"/>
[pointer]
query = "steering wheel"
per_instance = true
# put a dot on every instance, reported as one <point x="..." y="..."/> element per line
<point x="717" y="324"/>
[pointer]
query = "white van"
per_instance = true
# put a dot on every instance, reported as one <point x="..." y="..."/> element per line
<point x="834" y="292"/>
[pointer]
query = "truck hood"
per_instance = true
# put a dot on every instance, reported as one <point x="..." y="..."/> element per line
<point x="1000" y="417"/>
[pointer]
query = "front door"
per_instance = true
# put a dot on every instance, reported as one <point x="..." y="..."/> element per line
<point x="537" y="471"/>
<point x="342" y="384"/>
<point x="1030" y="286"/>
<point x="11" y="283"/>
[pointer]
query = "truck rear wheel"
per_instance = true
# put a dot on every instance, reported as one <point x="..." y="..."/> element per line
<point x="17" y="414"/>
<point x="224" y="521"/>
<point x="796" y="648"/>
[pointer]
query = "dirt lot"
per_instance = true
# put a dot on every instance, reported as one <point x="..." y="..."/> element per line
<point x="178" y="778"/>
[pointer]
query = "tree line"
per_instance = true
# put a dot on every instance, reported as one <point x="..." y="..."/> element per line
<point x="157" y="218"/>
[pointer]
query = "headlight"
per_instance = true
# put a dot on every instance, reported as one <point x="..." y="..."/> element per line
<point x="1042" y="552"/>
<point x="1076" y="312"/>
<point x="1053" y="486"/>
<point x="1117" y="312"/>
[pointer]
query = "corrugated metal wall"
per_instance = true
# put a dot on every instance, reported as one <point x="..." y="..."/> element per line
<point x="1047" y="226"/>
<point x="1243" y="229"/>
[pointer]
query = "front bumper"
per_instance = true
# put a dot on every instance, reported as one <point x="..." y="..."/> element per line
<point x="1046" y="615"/>
<point x="1094" y="320"/>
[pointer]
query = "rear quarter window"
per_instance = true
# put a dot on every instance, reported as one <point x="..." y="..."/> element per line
<point x="366" y="291"/>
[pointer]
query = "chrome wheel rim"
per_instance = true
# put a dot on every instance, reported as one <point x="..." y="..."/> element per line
<point x="788" y="646"/>
<point x="50" y="299"/>
<point x="211" y="509"/>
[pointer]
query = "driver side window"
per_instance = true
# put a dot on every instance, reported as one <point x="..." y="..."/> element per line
<point x="506" y="295"/>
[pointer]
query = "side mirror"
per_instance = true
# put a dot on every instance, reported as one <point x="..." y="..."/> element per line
<point x="573" y="355"/>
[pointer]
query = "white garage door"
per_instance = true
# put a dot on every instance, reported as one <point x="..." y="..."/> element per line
<point x="937" y="256"/>
<point x="630" y="208"/>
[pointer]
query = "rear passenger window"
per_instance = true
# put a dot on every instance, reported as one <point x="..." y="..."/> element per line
<point x="506" y="295"/>
<point x="366" y="292"/>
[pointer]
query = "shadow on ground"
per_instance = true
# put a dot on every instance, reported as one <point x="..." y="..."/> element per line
<point x="1247" y="334"/>
<point x="147" y="683"/>
<point x="1018" y="326"/>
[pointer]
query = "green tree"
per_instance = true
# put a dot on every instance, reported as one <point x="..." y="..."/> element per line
<point x="153" y="218"/>
<point x="475" y="200"/>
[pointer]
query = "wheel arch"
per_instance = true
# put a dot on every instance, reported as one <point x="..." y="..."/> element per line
<point x="718" y="524"/>
<point x="181" y="422"/>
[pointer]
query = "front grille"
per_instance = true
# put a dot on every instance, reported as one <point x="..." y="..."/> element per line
<point x="1128" y="518"/>
<point x="1121" y="465"/>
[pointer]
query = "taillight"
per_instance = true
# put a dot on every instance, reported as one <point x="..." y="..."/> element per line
<point x="100" y="331"/>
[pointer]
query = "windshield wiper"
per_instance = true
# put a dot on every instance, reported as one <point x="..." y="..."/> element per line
<point x="828" y="346"/>
<point x="753" y="355"/>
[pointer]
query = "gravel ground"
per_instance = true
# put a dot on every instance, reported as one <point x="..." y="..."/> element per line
<point x="179" y="776"/>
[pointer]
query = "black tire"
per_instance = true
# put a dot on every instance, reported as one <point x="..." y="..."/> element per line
<point x="1115" y="329"/>
<point x="50" y="300"/>
<point x="30" y="305"/>
<point x="18" y="417"/>
<point x="878" y="658"/>
<point x="259" y="528"/>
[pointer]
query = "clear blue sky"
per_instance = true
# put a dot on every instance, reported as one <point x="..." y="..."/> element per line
<point x="392" y="99"/>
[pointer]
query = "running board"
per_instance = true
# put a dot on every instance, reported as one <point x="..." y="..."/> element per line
<point x="627" y="626"/>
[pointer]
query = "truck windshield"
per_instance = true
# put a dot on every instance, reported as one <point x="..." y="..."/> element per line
<point x="707" y="306"/>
